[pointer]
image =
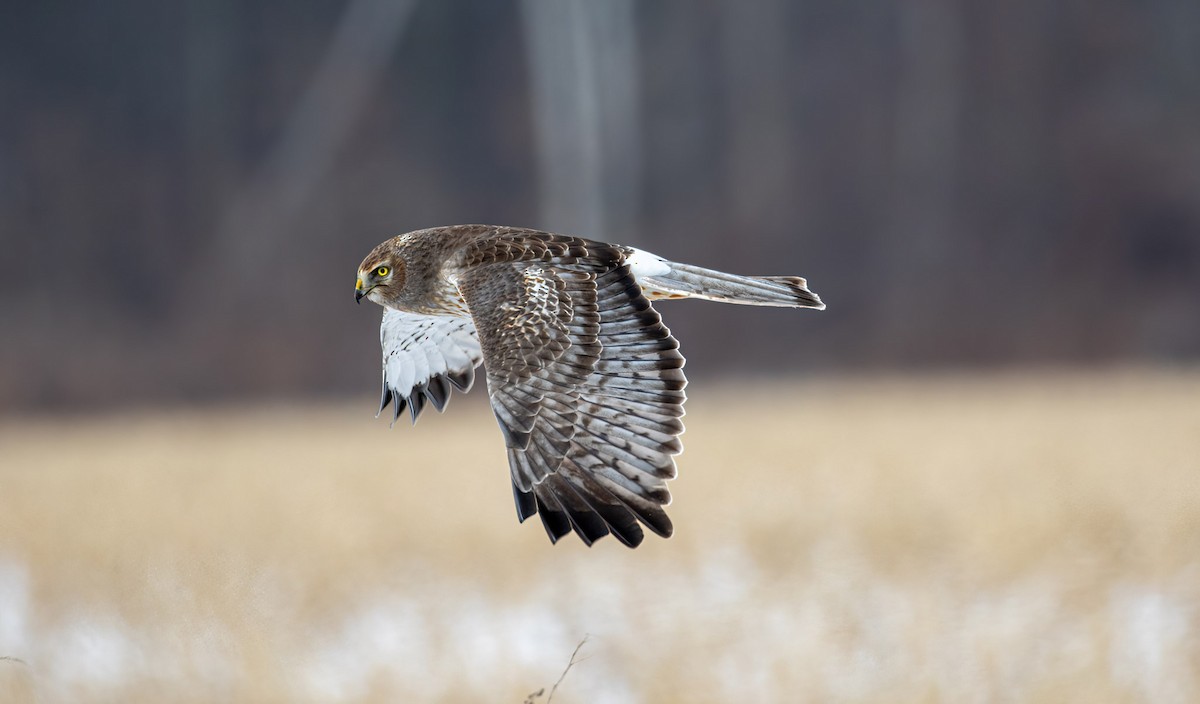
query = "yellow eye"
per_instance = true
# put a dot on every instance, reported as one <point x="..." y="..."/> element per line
<point x="382" y="271"/>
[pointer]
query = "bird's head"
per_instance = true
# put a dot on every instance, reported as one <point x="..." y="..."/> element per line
<point x="380" y="276"/>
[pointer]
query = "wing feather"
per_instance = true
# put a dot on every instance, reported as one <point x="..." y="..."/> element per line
<point x="424" y="356"/>
<point x="585" y="381"/>
<point x="604" y="446"/>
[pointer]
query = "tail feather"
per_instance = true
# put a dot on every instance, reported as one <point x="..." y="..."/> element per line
<point x="689" y="281"/>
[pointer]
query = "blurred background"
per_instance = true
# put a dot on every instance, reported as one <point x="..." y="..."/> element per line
<point x="973" y="478"/>
<point x="187" y="188"/>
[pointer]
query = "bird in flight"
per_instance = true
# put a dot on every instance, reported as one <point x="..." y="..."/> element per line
<point x="584" y="379"/>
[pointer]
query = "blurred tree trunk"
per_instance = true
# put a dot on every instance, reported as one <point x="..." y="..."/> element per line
<point x="763" y="145"/>
<point x="583" y="69"/>
<point x="255" y="228"/>
<point x="213" y="54"/>
<point x="921" y="244"/>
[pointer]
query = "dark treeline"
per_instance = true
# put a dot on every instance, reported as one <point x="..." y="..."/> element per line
<point x="186" y="189"/>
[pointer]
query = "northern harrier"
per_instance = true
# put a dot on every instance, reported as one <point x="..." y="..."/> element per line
<point x="585" y="380"/>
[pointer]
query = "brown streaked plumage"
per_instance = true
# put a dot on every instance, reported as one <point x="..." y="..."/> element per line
<point x="584" y="379"/>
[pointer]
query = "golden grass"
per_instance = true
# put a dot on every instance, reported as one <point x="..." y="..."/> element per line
<point x="1019" y="537"/>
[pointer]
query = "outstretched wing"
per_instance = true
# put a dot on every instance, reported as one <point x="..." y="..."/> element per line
<point x="587" y="385"/>
<point x="424" y="357"/>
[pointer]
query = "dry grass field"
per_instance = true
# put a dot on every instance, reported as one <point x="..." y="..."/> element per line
<point x="1002" y="538"/>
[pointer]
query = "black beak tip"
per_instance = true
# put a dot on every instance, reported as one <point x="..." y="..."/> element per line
<point x="358" y="296"/>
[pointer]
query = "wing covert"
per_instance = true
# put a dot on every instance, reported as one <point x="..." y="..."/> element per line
<point x="539" y="342"/>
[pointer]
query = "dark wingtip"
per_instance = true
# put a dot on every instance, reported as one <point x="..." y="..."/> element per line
<point x="623" y="526"/>
<point x="629" y="540"/>
<point x="416" y="402"/>
<point x="616" y="517"/>
<point x="555" y="522"/>
<point x="384" y="399"/>
<point x="590" y="530"/>
<point x="463" y="380"/>
<point x="526" y="503"/>
<point x="399" y="403"/>
<point x="438" y="392"/>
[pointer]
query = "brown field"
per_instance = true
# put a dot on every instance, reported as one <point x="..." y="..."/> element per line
<point x="1004" y="538"/>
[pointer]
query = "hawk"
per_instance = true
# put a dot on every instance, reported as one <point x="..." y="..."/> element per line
<point x="585" y="381"/>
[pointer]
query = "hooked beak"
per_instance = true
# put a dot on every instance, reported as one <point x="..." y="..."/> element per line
<point x="358" y="291"/>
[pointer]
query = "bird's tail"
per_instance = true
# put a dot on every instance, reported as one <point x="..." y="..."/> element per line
<point x="689" y="281"/>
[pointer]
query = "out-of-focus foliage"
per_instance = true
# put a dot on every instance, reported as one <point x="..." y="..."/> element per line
<point x="927" y="538"/>
<point x="184" y="195"/>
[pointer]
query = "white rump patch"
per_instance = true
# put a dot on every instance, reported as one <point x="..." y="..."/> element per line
<point x="642" y="263"/>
